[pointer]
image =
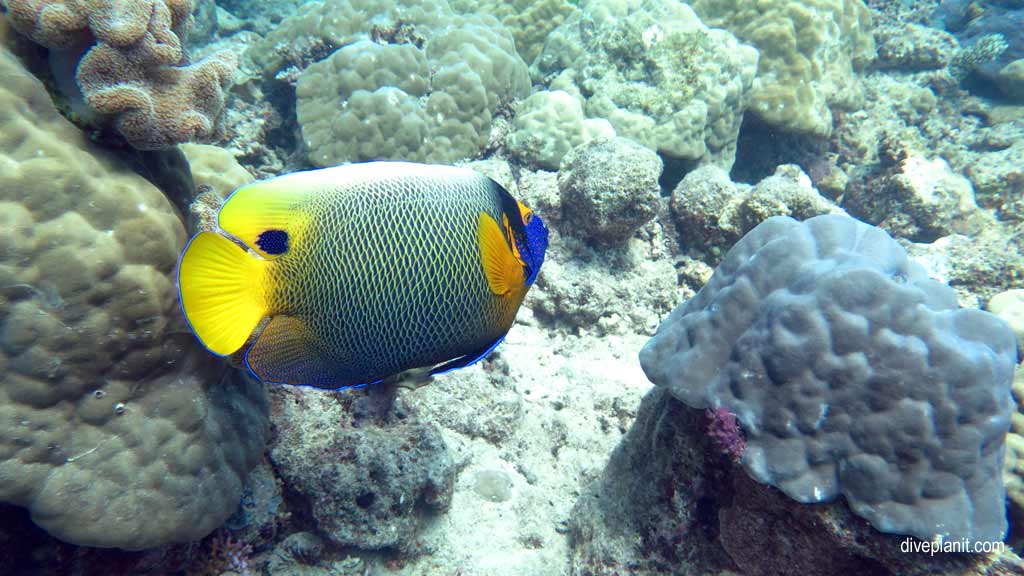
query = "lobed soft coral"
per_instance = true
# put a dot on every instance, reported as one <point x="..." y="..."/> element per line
<point x="137" y="71"/>
<point x="157" y="107"/>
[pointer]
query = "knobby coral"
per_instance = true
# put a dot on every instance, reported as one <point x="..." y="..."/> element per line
<point x="116" y="429"/>
<point x="851" y="373"/>
<point x="135" y="68"/>
<point x="411" y="80"/>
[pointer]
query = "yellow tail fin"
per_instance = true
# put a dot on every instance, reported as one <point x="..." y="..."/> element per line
<point x="222" y="290"/>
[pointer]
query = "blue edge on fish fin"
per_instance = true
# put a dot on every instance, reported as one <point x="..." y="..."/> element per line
<point x="467" y="360"/>
<point x="460" y="362"/>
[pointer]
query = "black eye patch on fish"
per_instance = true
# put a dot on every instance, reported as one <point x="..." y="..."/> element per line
<point x="273" y="241"/>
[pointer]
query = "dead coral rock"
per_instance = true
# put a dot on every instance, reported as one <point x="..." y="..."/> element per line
<point x="976" y="267"/>
<point x="915" y="197"/>
<point x="138" y="71"/>
<point x="609" y="189"/>
<point x="370" y="486"/>
<point x="767" y="534"/>
<point x="711" y="212"/>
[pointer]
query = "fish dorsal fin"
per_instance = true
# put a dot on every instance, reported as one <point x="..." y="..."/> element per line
<point x="270" y="216"/>
<point x="503" y="271"/>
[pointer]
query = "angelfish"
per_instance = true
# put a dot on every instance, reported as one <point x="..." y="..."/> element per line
<point x="364" y="271"/>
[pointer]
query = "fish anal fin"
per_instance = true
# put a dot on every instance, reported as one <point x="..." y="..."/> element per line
<point x="287" y="353"/>
<point x="467" y="360"/>
<point x="504" y="273"/>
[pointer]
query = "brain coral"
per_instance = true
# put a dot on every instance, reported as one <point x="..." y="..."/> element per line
<point x="656" y="73"/>
<point x="852" y="373"/>
<point x="411" y="80"/>
<point x="809" y="51"/>
<point x="137" y="72"/>
<point x="115" y="429"/>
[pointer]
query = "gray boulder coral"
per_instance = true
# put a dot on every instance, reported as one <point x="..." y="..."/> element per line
<point x="851" y="373"/>
<point x="669" y="501"/>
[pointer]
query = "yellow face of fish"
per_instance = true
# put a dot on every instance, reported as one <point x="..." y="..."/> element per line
<point x="364" y="271"/>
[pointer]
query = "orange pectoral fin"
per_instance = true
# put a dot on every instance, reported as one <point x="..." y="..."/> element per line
<point x="503" y="270"/>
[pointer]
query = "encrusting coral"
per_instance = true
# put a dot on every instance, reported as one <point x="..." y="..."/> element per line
<point x="415" y="82"/>
<point x="137" y="71"/>
<point x="656" y="73"/>
<point x="810" y="51"/>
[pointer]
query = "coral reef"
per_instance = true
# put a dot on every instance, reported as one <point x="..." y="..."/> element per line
<point x="712" y="212"/>
<point x="915" y="197"/>
<point x="998" y="178"/>
<point x="118" y="429"/>
<point x="215" y="168"/>
<point x="262" y="16"/>
<point x="725" y="433"/>
<point x="302" y="554"/>
<point x="810" y="52"/>
<point x="255" y="522"/>
<point x="910" y="47"/>
<point x="609" y="190"/>
<point x="992" y="44"/>
<point x="976" y="267"/>
<point x="548" y="125"/>
<point x="576" y="401"/>
<point x="411" y="80"/>
<point x="602" y="292"/>
<point x="655" y="72"/>
<point x="157" y="106"/>
<point x="137" y="72"/>
<point x="546" y="457"/>
<point x="529" y="21"/>
<point x="798" y="332"/>
<point x="1009" y="306"/>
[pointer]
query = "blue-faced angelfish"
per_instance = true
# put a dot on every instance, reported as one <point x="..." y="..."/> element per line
<point x="348" y="275"/>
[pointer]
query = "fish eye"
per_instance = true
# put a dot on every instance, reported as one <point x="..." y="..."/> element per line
<point x="273" y="241"/>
